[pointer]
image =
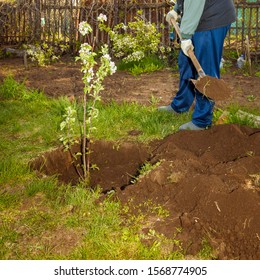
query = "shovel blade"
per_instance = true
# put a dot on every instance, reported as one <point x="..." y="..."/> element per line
<point x="213" y="88"/>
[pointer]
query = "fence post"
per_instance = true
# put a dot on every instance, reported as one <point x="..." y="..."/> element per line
<point x="116" y="11"/>
<point x="37" y="20"/>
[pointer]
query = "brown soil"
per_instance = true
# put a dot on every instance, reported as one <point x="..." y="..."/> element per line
<point x="207" y="180"/>
<point x="116" y="164"/>
<point x="213" y="88"/>
<point x="65" y="79"/>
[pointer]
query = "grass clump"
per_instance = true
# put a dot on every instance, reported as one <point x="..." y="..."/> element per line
<point x="148" y="64"/>
<point x="10" y="89"/>
<point x="206" y="252"/>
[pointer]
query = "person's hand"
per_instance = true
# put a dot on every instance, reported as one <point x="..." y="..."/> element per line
<point x="186" y="45"/>
<point x="172" y="14"/>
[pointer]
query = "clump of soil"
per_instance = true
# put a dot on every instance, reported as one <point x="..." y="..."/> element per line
<point x="207" y="180"/>
<point x="213" y="88"/>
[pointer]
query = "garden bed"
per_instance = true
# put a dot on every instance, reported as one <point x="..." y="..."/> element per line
<point x="65" y="79"/>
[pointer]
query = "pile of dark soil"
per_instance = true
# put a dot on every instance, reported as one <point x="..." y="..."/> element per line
<point x="209" y="181"/>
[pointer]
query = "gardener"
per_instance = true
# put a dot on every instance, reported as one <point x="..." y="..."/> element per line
<point x="204" y="25"/>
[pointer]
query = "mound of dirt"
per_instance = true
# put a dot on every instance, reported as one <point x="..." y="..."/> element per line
<point x="209" y="181"/>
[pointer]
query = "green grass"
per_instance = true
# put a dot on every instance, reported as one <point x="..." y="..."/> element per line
<point x="29" y="121"/>
<point x="146" y="65"/>
<point x="115" y="121"/>
<point x="43" y="219"/>
<point x="233" y="116"/>
<point x="37" y="214"/>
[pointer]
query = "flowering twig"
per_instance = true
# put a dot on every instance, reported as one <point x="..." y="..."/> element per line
<point x="93" y="77"/>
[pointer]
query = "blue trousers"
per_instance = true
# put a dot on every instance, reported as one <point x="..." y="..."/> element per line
<point x="208" y="47"/>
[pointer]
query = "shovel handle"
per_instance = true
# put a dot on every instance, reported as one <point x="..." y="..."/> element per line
<point x="196" y="63"/>
<point x="190" y="51"/>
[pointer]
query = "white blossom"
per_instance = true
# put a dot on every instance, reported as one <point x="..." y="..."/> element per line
<point x="90" y="75"/>
<point x="135" y="56"/>
<point x="102" y="17"/>
<point x="107" y="56"/>
<point x="84" y="28"/>
<point x="85" y="49"/>
<point x="113" y="67"/>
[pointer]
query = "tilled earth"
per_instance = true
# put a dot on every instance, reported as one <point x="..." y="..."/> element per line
<point x="209" y="181"/>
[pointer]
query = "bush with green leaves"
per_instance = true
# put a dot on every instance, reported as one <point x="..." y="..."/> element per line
<point x="42" y="54"/>
<point x="134" y="41"/>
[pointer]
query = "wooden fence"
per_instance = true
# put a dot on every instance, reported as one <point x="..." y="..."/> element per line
<point x="56" y="21"/>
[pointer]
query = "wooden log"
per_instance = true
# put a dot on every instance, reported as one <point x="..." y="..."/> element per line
<point x="244" y="115"/>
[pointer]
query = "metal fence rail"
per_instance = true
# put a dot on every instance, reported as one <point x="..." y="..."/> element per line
<point x="56" y="21"/>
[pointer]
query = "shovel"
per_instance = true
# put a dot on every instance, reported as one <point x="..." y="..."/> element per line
<point x="211" y="87"/>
